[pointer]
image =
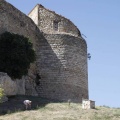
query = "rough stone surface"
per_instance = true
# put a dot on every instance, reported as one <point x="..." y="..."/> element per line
<point x="61" y="57"/>
<point x="62" y="65"/>
<point x="48" y="21"/>
<point x="20" y="83"/>
<point x="61" y="53"/>
<point x="9" y="86"/>
<point x="4" y="99"/>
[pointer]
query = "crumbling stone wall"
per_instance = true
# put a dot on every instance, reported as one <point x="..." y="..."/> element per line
<point x="13" y="20"/>
<point x="45" y="19"/>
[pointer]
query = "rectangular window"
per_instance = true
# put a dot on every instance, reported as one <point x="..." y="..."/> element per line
<point x="55" y="25"/>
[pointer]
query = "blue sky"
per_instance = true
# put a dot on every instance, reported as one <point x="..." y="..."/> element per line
<point x="99" y="20"/>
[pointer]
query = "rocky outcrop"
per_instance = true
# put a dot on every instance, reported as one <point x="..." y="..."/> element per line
<point x="30" y="84"/>
<point x="24" y="86"/>
<point x="9" y="86"/>
<point x="20" y="83"/>
<point x="14" y="21"/>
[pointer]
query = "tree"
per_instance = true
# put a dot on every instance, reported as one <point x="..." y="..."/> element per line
<point x="16" y="54"/>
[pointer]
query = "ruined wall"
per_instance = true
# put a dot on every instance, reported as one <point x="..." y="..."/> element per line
<point x="14" y="21"/>
<point x="62" y="64"/>
<point x="52" y="23"/>
<point x="62" y="57"/>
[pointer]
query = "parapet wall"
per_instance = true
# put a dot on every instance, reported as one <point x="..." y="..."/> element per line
<point x="62" y="64"/>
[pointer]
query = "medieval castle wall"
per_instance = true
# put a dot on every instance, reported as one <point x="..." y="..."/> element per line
<point x="62" y="65"/>
<point x="62" y="58"/>
<point x="51" y="23"/>
<point x="60" y="50"/>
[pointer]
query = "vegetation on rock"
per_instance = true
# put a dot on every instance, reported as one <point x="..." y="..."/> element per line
<point x="1" y="94"/>
<point x="16" y="54"/>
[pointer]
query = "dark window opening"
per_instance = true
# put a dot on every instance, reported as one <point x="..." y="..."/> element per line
<point x="37" y="80"/>
<point x="55" y="25"/>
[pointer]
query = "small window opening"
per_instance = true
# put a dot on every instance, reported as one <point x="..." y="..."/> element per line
<point x="37" y="80"/>
<point x="55" y="25"/>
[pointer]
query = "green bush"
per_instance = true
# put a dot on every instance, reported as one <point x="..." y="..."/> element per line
<point x="16" y="54"/>
<point x="1" y="94"/>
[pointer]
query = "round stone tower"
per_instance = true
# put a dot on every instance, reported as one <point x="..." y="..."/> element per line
<point x="61" y="57"/>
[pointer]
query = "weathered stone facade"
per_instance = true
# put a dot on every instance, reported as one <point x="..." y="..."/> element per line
<point x="62" y="57"/>
<point x="51" y="23"/>
<point x="62" y="65"/>
<point x="60" y="50"/>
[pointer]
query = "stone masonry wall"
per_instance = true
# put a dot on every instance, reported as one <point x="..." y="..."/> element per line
<point x="62" y="64"/>
<point x="61" y="54"/>
<point x="14" y="21"/>
<point x="34" y="14"/>
<point x="47" y="18"/>
<point x="61" y="57"/>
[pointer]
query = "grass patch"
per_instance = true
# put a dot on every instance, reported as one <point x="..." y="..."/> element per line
<point x="43" y="109"/>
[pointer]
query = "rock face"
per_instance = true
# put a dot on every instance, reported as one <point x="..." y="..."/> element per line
<point x="20" y="83"/>
<point x="24" y="86"/>
<point x="9" y="86"/>
<point x="3" y="99"/>
<point x="51" y="23"/>
<point x="14" y="21"/>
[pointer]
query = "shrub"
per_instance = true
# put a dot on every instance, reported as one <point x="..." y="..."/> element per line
<point x="16" y="54"/>
<point x="1" y="94"/>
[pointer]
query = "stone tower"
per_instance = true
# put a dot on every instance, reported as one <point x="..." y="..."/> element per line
<point x="61" y="57"/>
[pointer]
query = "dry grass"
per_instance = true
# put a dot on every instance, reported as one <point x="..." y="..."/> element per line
<point x="62" y="111"/>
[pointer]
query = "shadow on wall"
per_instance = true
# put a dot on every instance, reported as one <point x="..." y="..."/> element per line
<point x="54" y="65"/>
<point x="49" y="68"/>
